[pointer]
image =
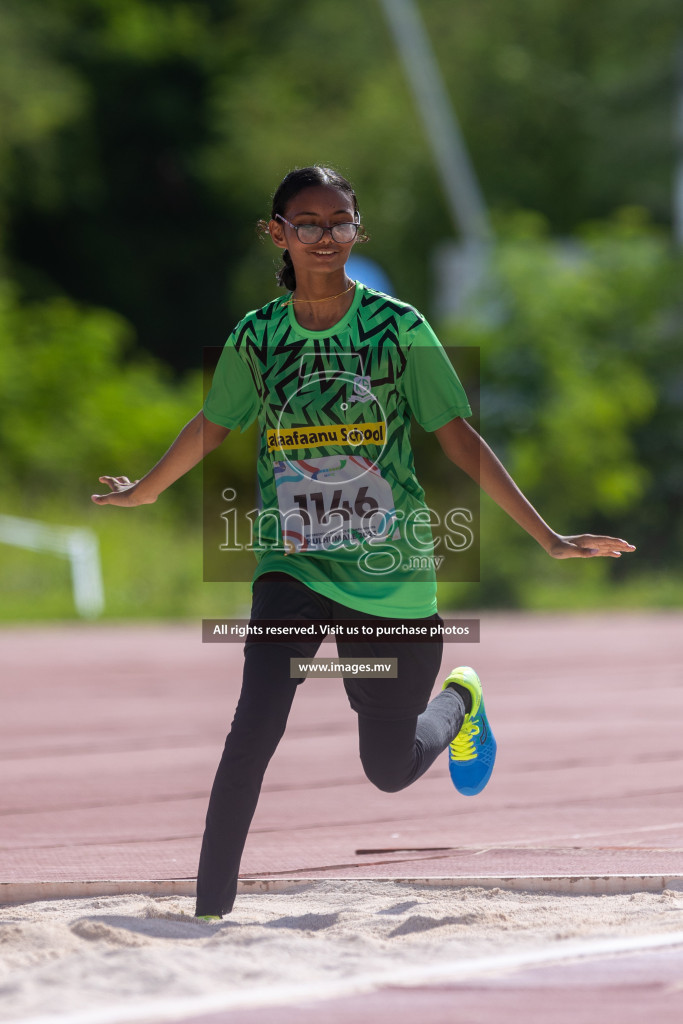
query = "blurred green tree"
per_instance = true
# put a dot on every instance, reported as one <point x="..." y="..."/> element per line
<point x="581" y="379"/>
<point x="74" y="407"/>
<point x="140" y="141"/>
<point x="146" y="137"/>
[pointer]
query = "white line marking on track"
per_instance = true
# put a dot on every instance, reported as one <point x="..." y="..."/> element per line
<point x="564" y="836"/>
<point x="453" y="972"/>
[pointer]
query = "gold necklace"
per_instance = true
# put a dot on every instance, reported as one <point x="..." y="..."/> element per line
<point x="328" y="298"/>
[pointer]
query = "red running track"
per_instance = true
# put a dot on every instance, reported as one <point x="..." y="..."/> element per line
<point x="110" y="736"/>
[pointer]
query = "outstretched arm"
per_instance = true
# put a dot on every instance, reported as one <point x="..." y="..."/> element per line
<point x="197" y="438"/>
<point x="463" y="446"/>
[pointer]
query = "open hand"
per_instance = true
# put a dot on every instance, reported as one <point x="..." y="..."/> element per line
<point x="123" y="492"/>
<point x="588" y="545"/>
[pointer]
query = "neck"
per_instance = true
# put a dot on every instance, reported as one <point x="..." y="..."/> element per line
<point x="319" y="301"/>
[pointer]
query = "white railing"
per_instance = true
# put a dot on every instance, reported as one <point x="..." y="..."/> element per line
<point x="76" y="543"/>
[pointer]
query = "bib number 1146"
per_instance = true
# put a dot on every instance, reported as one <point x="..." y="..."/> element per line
<point x="363" y="504"/>
<point x="330" y="501"/>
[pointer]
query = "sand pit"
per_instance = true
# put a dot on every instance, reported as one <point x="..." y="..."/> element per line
<point x="134" y="957"/>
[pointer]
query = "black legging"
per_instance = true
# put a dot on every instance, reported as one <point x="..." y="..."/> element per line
<point x="398" y="738"/>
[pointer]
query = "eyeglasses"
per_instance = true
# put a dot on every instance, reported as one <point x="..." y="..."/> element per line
<point x="308" y="234"/>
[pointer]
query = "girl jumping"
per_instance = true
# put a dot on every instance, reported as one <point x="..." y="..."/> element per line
<point x="333" y="372"/>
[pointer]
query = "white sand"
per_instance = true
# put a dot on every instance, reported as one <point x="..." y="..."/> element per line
<point x="109" y="958"/>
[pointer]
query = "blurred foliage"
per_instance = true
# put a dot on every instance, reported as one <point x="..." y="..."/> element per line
<point x="74" y="407"/>
<point x="140" y="141"/>
<point x="582" y="381"/>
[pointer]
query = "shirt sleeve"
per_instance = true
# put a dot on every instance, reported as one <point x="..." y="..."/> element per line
<point x="232" y="400"/>
<point x="431" y="386"/>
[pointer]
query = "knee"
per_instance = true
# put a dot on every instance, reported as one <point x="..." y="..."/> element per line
<point x="388" y="785"/>
<point x="384" y="778"/>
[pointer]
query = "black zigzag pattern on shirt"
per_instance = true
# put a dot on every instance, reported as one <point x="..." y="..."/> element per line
<point x="307" y="380"/>
<point x="384" y="303"/>
<point x="381" y="333"/>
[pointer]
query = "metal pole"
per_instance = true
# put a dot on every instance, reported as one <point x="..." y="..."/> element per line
<point x="458" y="177"/>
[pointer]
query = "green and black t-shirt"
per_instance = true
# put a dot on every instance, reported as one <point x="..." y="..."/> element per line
<point x="342" y="509"/>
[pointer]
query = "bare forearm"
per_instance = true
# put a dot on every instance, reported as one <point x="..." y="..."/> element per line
<point x="467" y="449"/>
<point x="470" y="452"/>
<point x="499" y="485"/>
<point x="195" y="440"/>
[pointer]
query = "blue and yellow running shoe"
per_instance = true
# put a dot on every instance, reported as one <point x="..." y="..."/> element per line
<point x="473" y="751"/>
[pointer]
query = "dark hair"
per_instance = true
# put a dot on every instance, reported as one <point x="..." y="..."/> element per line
<point x="290" y="186"/>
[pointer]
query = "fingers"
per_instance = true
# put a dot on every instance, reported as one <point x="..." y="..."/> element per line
<point x="608" y="545"/>
<point x="118" y="484"/>
<point x="590" y="546"/>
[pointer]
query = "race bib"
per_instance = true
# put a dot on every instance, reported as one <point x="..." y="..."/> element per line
<point x="333" y="501"/>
